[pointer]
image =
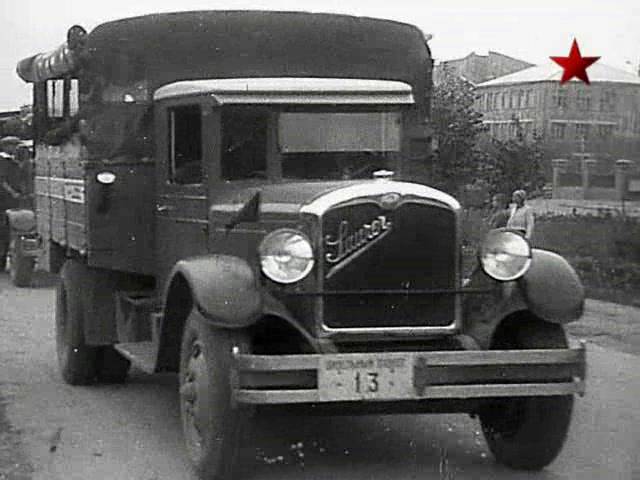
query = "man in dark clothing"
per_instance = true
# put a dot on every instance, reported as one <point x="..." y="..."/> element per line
<point x="14" y="192"/>
<point x="7" y="200"/>
<point x="499" y="214"/>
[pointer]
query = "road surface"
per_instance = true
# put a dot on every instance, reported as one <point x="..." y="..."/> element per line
<point x="52" y="431"/>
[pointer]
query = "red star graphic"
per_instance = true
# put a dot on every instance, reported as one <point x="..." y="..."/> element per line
<point x="575" y="65"/>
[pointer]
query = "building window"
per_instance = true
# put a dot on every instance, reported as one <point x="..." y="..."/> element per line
<point x="560" y="98"/>
<point x="185" y="145"/>
<point x="489" y="101"/>
<point x="608" y="101"/>
<point x="583" y="100"/>
<point x="531" y="99"/>
<point x="558" y="130"/>
<point x="605" y="131"/>
<point x="624" y="123"/>
<point x="636" y="122"/>
<point x="582" y="131"/>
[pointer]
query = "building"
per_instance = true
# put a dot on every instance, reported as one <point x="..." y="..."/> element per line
<point x="575" y="120"/>
<point x="480" y="68"/>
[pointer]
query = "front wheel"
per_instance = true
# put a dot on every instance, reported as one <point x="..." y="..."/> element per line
<point x="212" y="424"/>
<point x="527" y="433"/>
<point x="111" y="366"/>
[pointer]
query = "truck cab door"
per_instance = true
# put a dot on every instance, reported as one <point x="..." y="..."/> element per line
<point x="182" y="182"/>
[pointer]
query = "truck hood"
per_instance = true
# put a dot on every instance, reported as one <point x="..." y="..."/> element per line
<point x="317" y="197"/>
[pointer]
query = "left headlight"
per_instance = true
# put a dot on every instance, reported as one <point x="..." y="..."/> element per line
<point x="286" y="256"/>
<point x="505" y="255"/>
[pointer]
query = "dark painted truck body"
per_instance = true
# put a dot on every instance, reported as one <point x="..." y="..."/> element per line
<point x="215" y="189"/>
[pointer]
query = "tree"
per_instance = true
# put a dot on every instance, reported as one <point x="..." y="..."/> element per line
<point x="512" y="164"/>
<point x="456" y="126"/>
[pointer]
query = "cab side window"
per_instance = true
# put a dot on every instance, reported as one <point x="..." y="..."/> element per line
<point x="56" y="110"/>
<point x="55" y="98"/>
<point x="185" y="145"/>
<point x="244" y="144"/>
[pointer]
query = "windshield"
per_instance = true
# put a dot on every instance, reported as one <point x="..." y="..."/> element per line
<point x="338" y="145"/>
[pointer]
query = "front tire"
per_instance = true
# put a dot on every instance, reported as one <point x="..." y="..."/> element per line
<point x="77" y="361"/>
<point x="111" y="367"/>
<point x="527" y="433"/>
<point x="212" y="425"/>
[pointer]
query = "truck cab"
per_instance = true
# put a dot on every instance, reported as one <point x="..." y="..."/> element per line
<point x="248" y="222"/>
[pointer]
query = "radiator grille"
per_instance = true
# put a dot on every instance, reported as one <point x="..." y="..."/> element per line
<point x="417" y="252"/>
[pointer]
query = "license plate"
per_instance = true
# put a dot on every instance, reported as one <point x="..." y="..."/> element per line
<point x="365" y="376"/>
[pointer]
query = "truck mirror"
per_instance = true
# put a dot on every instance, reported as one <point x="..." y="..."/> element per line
<point x="250" y="212"/>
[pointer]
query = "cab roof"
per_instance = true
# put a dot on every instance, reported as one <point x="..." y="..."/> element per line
<point x="288" y="90"/>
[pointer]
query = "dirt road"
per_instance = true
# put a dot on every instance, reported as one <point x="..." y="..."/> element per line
<point x="52" y="431"/>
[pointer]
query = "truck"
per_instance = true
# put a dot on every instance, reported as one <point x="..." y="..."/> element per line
<point x="225" y="196"/>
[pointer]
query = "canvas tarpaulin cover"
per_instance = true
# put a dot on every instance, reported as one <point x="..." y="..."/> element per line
<point x="154" y="50"/>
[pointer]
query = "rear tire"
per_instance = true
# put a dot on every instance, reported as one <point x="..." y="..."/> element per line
<point x="527" y="433"/>
<point x="212" y="425"/>
<point x="77" y="361"/>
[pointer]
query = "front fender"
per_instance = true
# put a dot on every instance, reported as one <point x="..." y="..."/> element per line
<point x="224" y="289"/>
<point x="550" y="289"/>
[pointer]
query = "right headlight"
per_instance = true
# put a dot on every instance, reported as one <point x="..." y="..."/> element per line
<point x="505" y="255"/>
<point x="286" y="256"/>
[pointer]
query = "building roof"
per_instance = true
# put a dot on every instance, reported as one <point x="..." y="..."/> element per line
<point x="490" y="53"/>
<point x="480" y="68"/>
<point x="598" y="72"/>
<point x="292" y="90"/>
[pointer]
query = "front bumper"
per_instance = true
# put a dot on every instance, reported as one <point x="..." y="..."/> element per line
<point x="398" y="376"/>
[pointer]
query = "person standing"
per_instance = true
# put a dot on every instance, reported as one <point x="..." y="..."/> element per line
<point x="7" y="200"/>
<point x="521" y="217"/>
<point x="499" y="214"/>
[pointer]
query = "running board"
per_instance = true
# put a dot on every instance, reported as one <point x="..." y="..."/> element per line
<point x="141" y="354"/>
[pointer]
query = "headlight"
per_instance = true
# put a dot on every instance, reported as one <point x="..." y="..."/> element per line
<point x="286" y="256"/>
<point x="505" y="255"/>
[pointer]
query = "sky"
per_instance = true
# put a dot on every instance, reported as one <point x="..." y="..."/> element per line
<point x="531" y="31"/>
